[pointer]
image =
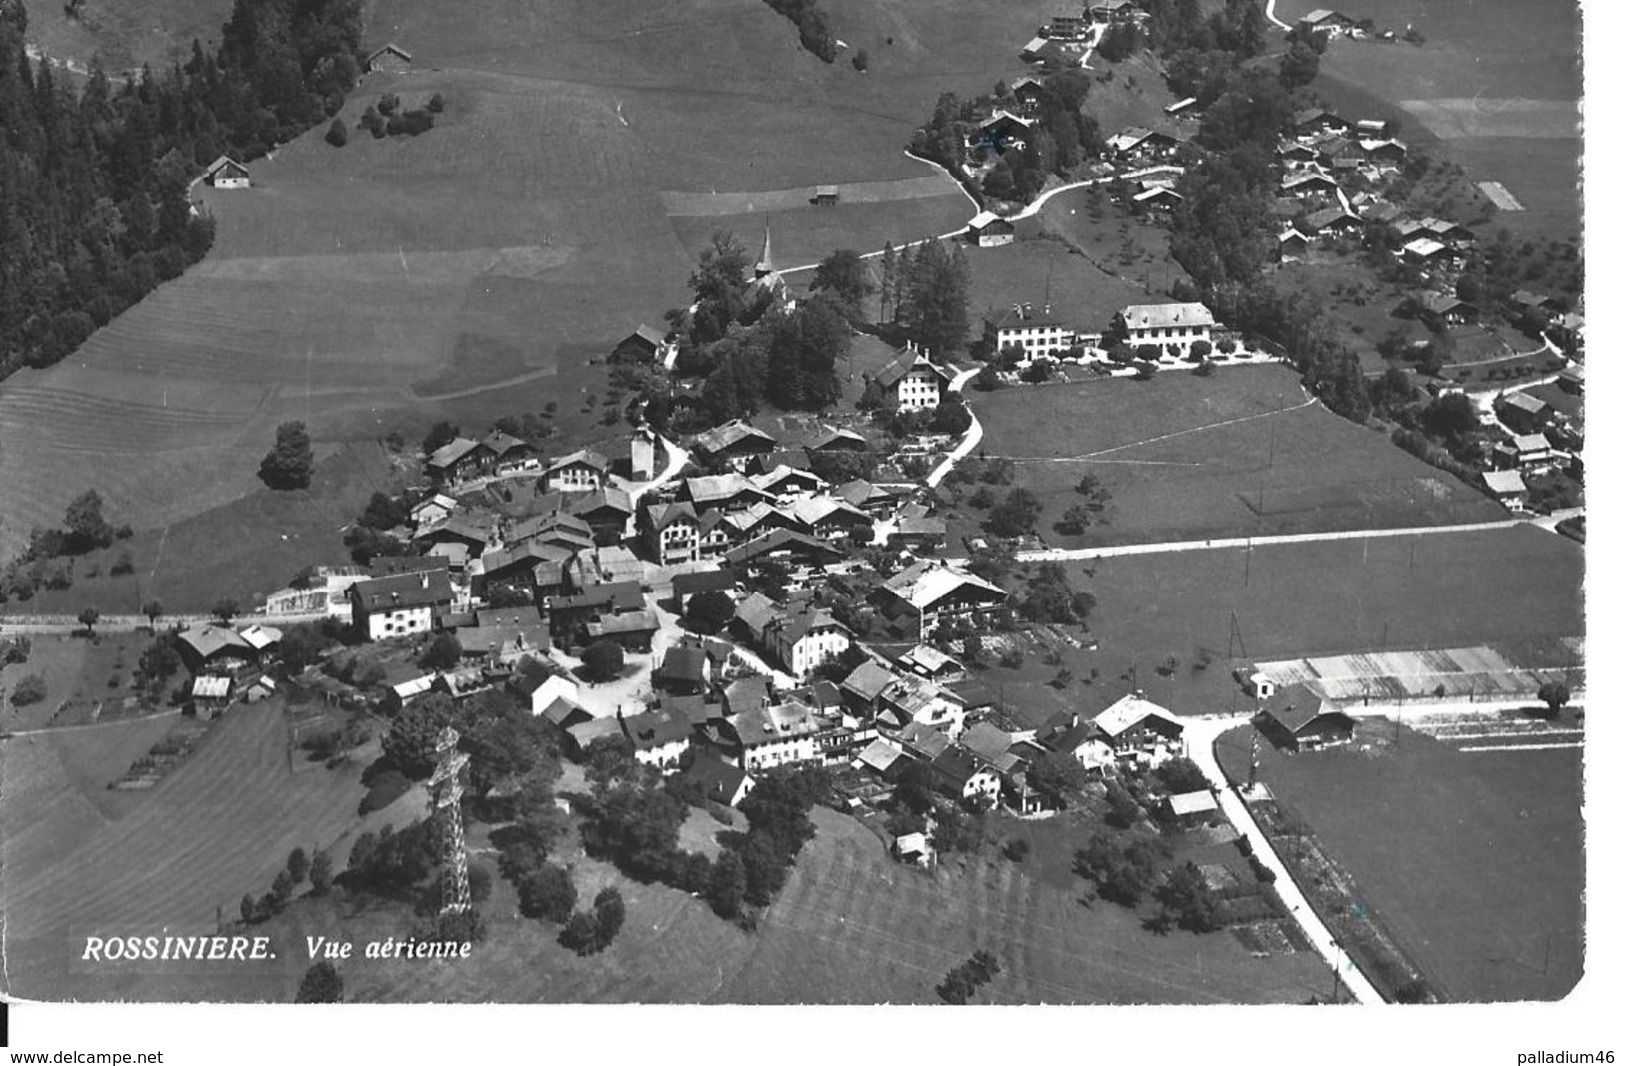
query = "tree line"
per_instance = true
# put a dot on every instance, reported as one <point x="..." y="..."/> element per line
<point x="94" y="204"/>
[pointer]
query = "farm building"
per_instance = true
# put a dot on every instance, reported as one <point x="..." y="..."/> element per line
<point x="1042" y="335"/>
<point x="1308" y="185"/>
<point x="1068" y="27"/>
<point x="226" y="173"/>
<point x="1139" y="144"/>
<point x="927" y="594"/>
<point x="1170" y="323"/>
<point x="1507" y="487"/>
<point x="1572" y="379"/>
<point x="456" y="459"/>
<point x="210" y="696"/>
<point x="1157" y="198"/>
<point x="988" y="230"/>
<point x="1314" y="121"/>
<point x="1331" y="23"/>
<point x="1291" y="245"/>
<point x="1180" y="107"/>
<point x="1443" y="308"/>
<point x="1331" y="222"/>
<point x="1297" y="718"/>
<point x="1115" y="11"/>
<point x="733" y="443"/>
<point x="644" y="345"/>
<point x="391" y="57"/>
<point x="1026" y="90"/>
<point x="214" y="648"/>
<point x="1427" y="250"/>
<point x="1002" y="130"/>
<point x="1526" y="451"/>
<point x="826" y="195"/>
<point x="1140" y="731"/>
<point x="1522" y="412"/>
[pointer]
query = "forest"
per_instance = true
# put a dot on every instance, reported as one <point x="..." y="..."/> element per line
<point x="94" y="176"/>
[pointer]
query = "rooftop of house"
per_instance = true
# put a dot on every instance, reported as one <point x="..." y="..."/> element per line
<point x="400" y="591"/>
<point x="1188" y="803"/>
<point x="1023" y="317"/>
<point x="747" y="693"/>
<point x="623" y="622"/>
<point x="717" y="488"/>
<point x="655" y="729"/>
<point x="925" y="582"/>
<point x="716" y="779"/>
<point x="584" y="457"/>
<point x="685" y="662"/>
<point x="1296" y="705"/>
<point x="777" y="722"/>
<point x="734" y="436"/>
<point x="927" y="740"/>
<point x="1504" y="482"/>
<point x="868" y="680"/>
<point x="906" y="363"/>
<point x="1129" y="712"/>
<point x="1160" y="316"/>
<point x="778" y="540"/>
<point x="448" y="454"/>
<point x="703" y="581"/>
<point x="880" y="754"/>
<point x="1523" y="401"/>
<point x="957" y="765"/>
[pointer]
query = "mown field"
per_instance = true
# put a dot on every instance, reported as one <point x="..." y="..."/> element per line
<point x="1024" y="272"/>
<point x="241" y="550"/>
<point x="474" y="271"/>
<point x="1185" y="457"/>
<point x="1159" y="617"/>
<point x="1476" y="861"/>
<point x="80" y="860"/>
<point x="852" y="926"/>
<point x="1498" y="83"/>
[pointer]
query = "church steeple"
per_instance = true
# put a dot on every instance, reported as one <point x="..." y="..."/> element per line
<point x="764" y="265"/>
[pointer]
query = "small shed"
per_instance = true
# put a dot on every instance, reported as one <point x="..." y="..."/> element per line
<point x="210" y="695"/>
<point x="390" y="57"/>
<point x="1193" y="808"/>
<point x="826" y="195"/>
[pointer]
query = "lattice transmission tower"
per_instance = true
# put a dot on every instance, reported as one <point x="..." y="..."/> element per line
<point x="445" y="804"/>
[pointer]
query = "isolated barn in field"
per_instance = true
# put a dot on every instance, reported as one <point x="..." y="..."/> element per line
<point x="226" y="173"/>
<point x="390" y="57"/>
<point x="988" y="230"/>
<point x="826" y="195"/>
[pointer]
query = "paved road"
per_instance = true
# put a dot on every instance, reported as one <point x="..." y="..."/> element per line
<point x="1065" y="554"/>
<point x="1201" y="733"/>
<point x="973" y="435"/>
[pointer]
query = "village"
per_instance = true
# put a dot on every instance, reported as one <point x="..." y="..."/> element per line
<point x="1116" y="538"/>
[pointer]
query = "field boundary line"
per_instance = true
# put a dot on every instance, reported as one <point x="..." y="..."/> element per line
<point x="1086" y="456"/>
<point x="1520" y="747"/>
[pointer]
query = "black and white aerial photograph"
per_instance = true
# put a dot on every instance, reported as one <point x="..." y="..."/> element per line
<point x="1045" y="503"/>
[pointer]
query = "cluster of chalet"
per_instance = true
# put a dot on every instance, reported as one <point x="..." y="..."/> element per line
<point x="1061" y="42"/>
<point x="227" y="664"/>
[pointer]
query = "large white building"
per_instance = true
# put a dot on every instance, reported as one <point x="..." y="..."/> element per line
<point x="913" y="382"/>
<point x="1042" y="335"/>
<point x="400" y="605"/>
<point x="805" y="637"/>
<point x="1167" y="324"/>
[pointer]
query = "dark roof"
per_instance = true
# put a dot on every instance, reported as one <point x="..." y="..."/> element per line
<point x="1295" y="706"/>
<point x="956" y="764"/>
<point x="894" y="371"/>
<point x="716" y="779"/>
<point x="403" y="590"/>
<point x="655" y="729"/>
<point x="703" y="581"/>
<point x="619" y="595"/>
<point x="782" y="540"/>
<point x="686" y="662"/>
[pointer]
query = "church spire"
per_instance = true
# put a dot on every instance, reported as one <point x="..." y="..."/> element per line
<point x="764" y="265"/>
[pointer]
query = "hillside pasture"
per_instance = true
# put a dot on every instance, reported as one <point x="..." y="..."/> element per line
<point x="1125" y="249"/>
<point x="242" y="549"/>
<point x="1240" y="452"/>
<point x="220" y="825"/>
<point x="475" y="270"/>
<point x="1037" y="269"/>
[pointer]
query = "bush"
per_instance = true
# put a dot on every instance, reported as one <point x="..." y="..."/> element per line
<point x="860" y="60"/>
<point x="29" y="690"/>
<point x="387" y="787"/>
<point x="603" y="661"/>
<point x="437" y="104"/>
<point x="338" y="134"/>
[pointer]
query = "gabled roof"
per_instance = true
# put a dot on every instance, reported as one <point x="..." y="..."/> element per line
<point x="655" y="729"/>
<point x="1504" y="482"/>
<point x="703" y="581"/>
<point x="880" y="755"/>
<point x="772" y="479"/>
<point x="927" y="740"/>
<point x="208" y="640"/>
<point x="1000" y="116"/>
<point x="1523" y="401"/>
<point x="716" y="779"/>
<point x="623" y="622"/>
<point x="454" y="452"/>
<point x="816" y="510"/>
<point x="957" y="765"/>
<point x="1129" y="712"/>
<point x="719" y="488"/>
<point x="782" y="540"/>
<point x="984" y="219"/>
<point x="783" y="721"/>
<point x="838" y="438"/>
<point x="1439" y="303"/>
<point x="859" y="492"/>
<point x="259" y="637"/>
<point x="392" y="48"/>
<point x="662" y="515"/>
<point x="207" y="687"/>
<point x="868" y="680"/>
<point x="1425" y="247"/>
<point x="755" y="612"/>
<point x="499" y="443"/>
<point x="747" y="693"/>
<point x="1295" y="706"/>
<point x="608" y="498"/>
<point x="898" y="368"/>
<point x="423" y="589"/>
<point x="221" y="163"/>
<point x="988" y="741"/>
<point x="685" y="662"/>
<point x="1530" y="442"/>
<point x="798" y="623"/>
<point x="925" y="582"/>
<point x="1158" y="316"/>
<point x="734" y="436"/>
<point x="584" y="457"/>
<point x="648" y="334"/>
<point x="1327" y="217"/>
